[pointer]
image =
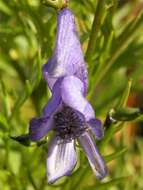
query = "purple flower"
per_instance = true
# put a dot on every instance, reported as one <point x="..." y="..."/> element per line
<point x="68" y="113"/>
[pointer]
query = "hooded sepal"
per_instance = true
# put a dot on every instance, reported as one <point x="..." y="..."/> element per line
<point x="67" y="58"/>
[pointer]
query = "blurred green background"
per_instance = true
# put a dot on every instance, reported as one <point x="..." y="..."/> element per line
<point x="114" y="55"/>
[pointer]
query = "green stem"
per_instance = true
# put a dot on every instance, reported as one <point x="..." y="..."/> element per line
<point x="57" y="4"/>
<point x="99" y="75"/>
<point x="32" y="181"/>
<point x="95" y="29"/>
<point x="80" y="179"/>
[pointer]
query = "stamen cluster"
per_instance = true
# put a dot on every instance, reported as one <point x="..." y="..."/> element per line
<point x="68" y="124"/>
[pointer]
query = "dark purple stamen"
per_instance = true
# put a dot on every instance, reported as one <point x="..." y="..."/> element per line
<point x="68" y="124"/>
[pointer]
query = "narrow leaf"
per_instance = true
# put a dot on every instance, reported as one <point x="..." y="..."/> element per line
<point x="22" y="139"/>
<point x="124" y="98"/>
<point x="109" y="183"/>
<point x="115" y="155"/>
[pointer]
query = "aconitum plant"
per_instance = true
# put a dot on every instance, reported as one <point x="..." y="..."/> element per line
<point x="68" y="112"/>
<point x="71" y="88"/>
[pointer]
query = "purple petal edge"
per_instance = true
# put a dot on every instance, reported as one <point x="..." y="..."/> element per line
<point x="55" y="100"/>
<point x="39" y="127"/>
<point x="95" y="159"/>
<point x="96" y="127"/>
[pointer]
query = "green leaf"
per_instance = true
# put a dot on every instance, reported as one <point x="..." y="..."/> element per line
<point x="115" y="155"/>
<point x="98" y="16"/>
<point x="28" y="88"/>
<point x="134" y="24"/>
<point x="5" y="8"/>
<point x="5" y="97"/>
<point x="125" y="96"/>
<point x="126" y="114"/>
<point x="26" y="141"/>
<point x="3" y="121"/>
<point x="109" y="183"/>
<point x="14" y="161"/>
<point x="22" y="139"/>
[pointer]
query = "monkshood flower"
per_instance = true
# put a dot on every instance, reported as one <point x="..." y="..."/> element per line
<point x="68" y="113"/>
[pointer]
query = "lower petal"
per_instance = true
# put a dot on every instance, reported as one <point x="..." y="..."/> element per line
<point x="96" y="127"/>
<point x="95" y="160"/>
<point x="39" y="127"/>
<point x="61" y="159"/>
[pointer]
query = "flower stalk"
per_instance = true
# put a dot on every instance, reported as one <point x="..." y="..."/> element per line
<point x="57" y="4"/>
<point x="95" y="29"/>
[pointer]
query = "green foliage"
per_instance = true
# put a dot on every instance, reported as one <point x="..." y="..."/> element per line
<point x="112" y="40"/>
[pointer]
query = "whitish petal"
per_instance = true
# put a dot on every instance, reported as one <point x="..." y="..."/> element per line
<point x="96" y="127"/>
<point x="39" y="127"/>
<point x="61" y="160"/>
<point x="72" y="95"/>
<point x="95" y="159"/>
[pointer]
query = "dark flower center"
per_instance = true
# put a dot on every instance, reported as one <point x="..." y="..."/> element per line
<point x="69" y="124"/>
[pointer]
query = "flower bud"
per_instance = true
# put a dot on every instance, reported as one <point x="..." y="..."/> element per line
<point x="58" y="4"/>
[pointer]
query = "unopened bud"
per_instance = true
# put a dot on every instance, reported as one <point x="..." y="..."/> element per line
<point x="58" y="4"/>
